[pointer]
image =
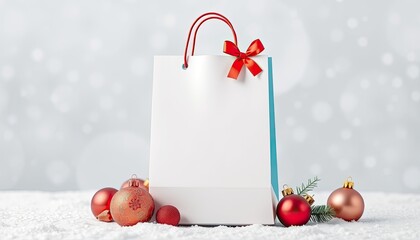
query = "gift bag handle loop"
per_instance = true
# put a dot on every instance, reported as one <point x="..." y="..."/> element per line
<point x="214" y="16"/>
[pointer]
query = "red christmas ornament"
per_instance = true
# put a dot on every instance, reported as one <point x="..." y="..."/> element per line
<point x="132" y="205"/>
<point x="347" y="203"/>
<point x="168" y="215"/>
<point x="100" y="204"/>
<point x="293" y="209"/>
<point x="138" y="182"/>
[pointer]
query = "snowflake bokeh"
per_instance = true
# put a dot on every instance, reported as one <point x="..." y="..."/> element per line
<point x="76" y="77"/>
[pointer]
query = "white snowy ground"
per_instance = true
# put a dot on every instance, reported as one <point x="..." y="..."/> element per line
<point x="66" y="215"/>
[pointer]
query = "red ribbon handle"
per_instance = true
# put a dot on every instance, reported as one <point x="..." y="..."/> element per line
<point x="230" y="48"/>
<point x="214" y="15"/>
<point x="255" y="48"/>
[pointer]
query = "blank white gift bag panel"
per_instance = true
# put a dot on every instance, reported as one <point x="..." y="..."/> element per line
<point x="213" y="150"/>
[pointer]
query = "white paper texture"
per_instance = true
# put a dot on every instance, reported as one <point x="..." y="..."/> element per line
<point x="210" y="135"/>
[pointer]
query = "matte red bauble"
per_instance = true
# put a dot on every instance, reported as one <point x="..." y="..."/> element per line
<point x="138" y="182"/>
<point x="168" y="214"/>
<point x="293" y="209"/>
<point x="100" y="204"/>
<point x="347" y="203"/>
<point x="132" y="205"/>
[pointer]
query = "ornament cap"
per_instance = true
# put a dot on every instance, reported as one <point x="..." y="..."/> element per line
<point x="287" y="190"/>
<point x="146" y="183"/>
<point x="310" y="199"/>
<point x="348" y="183"/>
<point x="133" y="181"/>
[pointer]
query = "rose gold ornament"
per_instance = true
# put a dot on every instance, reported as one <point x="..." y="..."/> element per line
<point x="138" y="182"/>
<point x="347" y="203"/>
<point x="100" y="204"/>
<point x="132" y="205"/>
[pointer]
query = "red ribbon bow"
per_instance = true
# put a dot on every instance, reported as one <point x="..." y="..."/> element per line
<point x="243" y="58"/>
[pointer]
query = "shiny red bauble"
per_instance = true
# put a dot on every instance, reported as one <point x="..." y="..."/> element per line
<point x="168" y="214"/>
<point x="100" y="204"/>
<point x="293" y="210"/>
<point x="132" y="205"/>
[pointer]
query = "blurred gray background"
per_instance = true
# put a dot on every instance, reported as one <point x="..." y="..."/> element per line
<point x="76" y="76"/>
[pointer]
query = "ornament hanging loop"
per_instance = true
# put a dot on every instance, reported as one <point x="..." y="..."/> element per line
<point x="348" y="183"/>
<point x="287" y="190"/>
<point x="133" y="182"/>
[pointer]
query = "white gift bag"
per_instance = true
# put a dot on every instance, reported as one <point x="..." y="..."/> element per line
<point x="213" y="144"/>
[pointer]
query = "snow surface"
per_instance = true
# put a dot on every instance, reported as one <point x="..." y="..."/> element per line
<point x="67" y="215"/>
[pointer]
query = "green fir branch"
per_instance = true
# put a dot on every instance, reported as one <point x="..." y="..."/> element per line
<point x="321" y="213"/>
<point x="304" y="189"/>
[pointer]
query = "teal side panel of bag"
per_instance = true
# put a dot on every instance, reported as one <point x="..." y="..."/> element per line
<point x="273" y="146"/>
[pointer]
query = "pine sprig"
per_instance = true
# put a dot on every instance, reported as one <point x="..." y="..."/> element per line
<point x="321" y="213"/>
<point x="304" y="189"/>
